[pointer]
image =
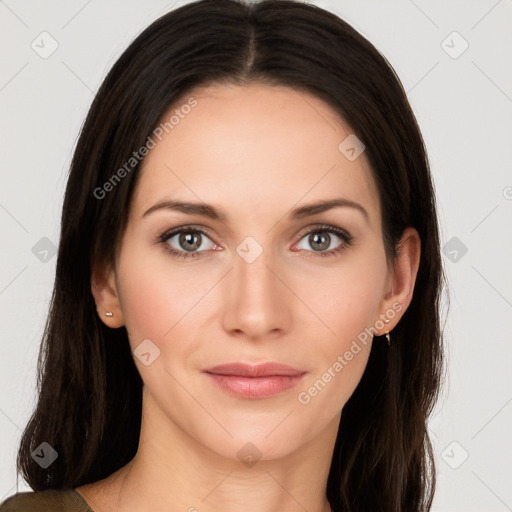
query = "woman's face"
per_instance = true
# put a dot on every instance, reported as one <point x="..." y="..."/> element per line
<point x="250" y="284"/>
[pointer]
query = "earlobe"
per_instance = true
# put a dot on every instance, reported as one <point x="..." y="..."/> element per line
<point x="403" y="278"/>
<point x="106" y="297"/>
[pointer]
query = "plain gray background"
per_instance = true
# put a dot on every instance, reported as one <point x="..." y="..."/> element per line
<point x="463" y="101"/>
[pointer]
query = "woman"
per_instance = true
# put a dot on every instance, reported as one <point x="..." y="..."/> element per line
<point x="246" y="305"/>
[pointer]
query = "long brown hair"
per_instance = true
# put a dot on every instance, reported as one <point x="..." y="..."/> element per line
<point x="89" y="390"/>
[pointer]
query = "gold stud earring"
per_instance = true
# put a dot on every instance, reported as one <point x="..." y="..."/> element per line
<point x="109" y="313"/>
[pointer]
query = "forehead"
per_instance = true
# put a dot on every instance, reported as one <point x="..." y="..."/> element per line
<point x="253" y="148"/>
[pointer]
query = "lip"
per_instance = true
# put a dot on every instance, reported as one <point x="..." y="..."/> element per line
<point x="254" y="381"/>
<point x="254" y="370"/>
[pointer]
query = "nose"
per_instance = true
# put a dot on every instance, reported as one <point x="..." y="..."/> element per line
<point x="257" y="302"/>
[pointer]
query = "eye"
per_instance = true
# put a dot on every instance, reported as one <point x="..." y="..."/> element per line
<point x="187" y="242"/>
<point x="325" y="240"/>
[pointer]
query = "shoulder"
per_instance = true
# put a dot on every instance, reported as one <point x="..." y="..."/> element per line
<point x="50" y="500"/>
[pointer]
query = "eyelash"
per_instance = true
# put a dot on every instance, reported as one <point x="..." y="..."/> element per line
<point x="165" y="237"/>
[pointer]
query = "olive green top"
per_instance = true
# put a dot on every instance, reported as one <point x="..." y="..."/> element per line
<point x="67" y="500"/>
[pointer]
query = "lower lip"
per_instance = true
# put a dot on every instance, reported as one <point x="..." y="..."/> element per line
<point x="255" y="387"/>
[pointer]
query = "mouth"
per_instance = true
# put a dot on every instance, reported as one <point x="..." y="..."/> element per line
<point x="254" y="381"/>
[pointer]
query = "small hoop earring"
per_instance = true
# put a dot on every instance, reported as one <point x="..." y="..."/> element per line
<point x="388" y="338"/>
<point x="109" y="313"/>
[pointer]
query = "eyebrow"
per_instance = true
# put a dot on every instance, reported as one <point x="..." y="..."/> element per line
<point x="214" y="213"/>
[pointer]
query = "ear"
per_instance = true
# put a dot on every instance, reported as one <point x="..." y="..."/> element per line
<point x="106" y="296"/>
<point x="401" y="280"/>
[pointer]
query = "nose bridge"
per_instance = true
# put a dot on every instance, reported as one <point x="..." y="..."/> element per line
<point x="256" y="301"/>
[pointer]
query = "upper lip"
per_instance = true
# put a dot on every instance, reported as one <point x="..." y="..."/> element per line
<point x="254" y="370"/>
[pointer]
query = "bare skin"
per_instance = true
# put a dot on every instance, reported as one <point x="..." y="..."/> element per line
<point x="254" y="152"/>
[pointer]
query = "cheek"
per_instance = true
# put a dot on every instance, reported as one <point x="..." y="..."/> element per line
<point x="346" y="298"/>
<point x="348" y="304"/>
<point x="145" y="297"/>
<point x="154" y="296"/>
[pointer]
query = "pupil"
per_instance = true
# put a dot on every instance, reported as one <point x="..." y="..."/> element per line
<point x="320" y="242"/>
<point x="190" y="241"/>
